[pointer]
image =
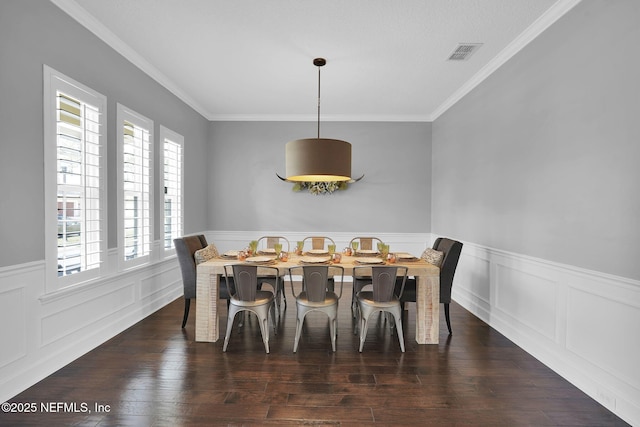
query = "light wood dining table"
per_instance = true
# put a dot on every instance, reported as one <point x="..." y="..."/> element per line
<point x="427" y="294"/>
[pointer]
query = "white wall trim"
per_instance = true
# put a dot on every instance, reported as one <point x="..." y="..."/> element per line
<point x="49" y="331"/>
<point x="580" y="323"/>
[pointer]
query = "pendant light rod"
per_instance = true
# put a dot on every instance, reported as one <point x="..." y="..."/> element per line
<point x="319" y="62"/>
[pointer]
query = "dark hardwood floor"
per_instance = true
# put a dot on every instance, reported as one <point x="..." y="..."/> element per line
<point x="155" y="374"/>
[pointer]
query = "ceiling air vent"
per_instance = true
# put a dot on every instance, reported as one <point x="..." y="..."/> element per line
<point x="463" y="51"/>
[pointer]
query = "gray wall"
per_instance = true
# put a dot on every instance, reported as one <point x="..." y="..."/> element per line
<point x="542" y="158"/>
<point x="394" y="196"/>
<point x="33" y="33"/>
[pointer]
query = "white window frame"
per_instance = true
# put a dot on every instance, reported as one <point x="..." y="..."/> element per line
<point x="55" y="83"/>
<point x="169" y="136"/>
<point x="138" y="120"/>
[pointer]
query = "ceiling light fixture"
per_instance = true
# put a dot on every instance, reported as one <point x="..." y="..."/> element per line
<point x="318" y="159"/>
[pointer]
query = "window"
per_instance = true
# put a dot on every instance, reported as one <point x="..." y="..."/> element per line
<point x="134" y="186"/>
<point x="171" y="159"/>
<point x="74" y="168"/>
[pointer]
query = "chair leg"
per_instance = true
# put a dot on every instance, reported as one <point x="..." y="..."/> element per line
<point x="264" y="328"/>
<point x="446" y="316"/>
<point x="187" y="304"/>
<point x="230" y="319"/>
<point x="364" y="325"/>
<point x="398" y="319"/>
<point x="299" y="323"/>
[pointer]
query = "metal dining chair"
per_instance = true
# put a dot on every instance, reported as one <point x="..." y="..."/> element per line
<point x="364" y="244"/>
<point x="266" y="243"/>
<point x="318" y="242"/>
<point x="382" y="298"/>
<point x="245" y="296"/>
<point x="269" y="242"/>
<point x="315" y="295"/>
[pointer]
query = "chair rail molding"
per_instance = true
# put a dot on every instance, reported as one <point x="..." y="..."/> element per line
<point x="575" y="321"/>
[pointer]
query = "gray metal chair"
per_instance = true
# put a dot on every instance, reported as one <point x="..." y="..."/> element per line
<point x="382" y="298"/>
<point x="245" y="296"/>
<point x="186" y="247"/>
<point x="265" y="244"/>
<point x="451" y="250"/>
<point x="318" y="242"/>
<point x="364" y="244"/>
<point x="315" y="295"/>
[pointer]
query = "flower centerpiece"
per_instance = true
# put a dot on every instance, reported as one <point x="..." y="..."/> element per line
<point x="318" y="188"/>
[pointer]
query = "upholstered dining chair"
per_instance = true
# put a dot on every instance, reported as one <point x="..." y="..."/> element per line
<point x="315" y="295"/>
<point x="186" y="248"/>
<point x="245" y="296"/>
<point x="449" y="251"/>
<point x="382" y="298"/>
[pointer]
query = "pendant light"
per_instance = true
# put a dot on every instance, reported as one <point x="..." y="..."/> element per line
<point x="318" y="159"/>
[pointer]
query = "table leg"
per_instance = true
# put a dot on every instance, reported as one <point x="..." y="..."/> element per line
<point x="207" y="305"/>
<point x="427" y="309"/>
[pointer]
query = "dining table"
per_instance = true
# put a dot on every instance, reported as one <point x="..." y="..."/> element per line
<point x="210" y="272"/>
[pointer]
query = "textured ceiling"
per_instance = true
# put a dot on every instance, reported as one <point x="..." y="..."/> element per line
<point x="252" y="59"/>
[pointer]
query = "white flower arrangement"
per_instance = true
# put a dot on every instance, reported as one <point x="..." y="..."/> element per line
<point x="320" y="188"/>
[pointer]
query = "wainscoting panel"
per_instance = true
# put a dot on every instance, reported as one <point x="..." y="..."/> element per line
<point x="596" y="325"/>
<point x="526" y="298"/>
<point x="474" y="280"/>
<point x="582" y="324"/>
<point x="95" y="307"/>
<point x="49" y="331"/>
<point x="12" y="312"/>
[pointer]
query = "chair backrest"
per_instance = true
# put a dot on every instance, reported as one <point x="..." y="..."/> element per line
<point x="245" y="279"/>
<point x="185" y="248"/>
<point x="451" y="250"/>
<point x="366" y="243"/>
<point x="383" y="280"/>
<point x="318" y="242"/>
<point x="268" y="242"/>
<point x="315" y="280"/>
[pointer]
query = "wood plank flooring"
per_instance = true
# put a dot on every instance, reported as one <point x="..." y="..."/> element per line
<point x="154" y="374"/>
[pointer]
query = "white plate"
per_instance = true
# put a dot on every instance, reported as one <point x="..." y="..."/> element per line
<point x="231" y="254"/>
<point x="369" y="260"/>
<point x="267" y="251"/>
<point x="318" y="252"/>
<point x="259" y="259"/>
<point x="405" y="255"/>
<point x="314" y="259"/>
<point x="367" y="252"/>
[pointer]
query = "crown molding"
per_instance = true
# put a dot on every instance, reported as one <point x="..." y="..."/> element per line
<point x="554" y="13"/>
<point x="314" y="118"/>
<point x="84" y="18"/>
